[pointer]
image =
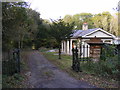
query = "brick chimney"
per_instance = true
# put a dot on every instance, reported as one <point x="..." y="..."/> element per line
<point x="84" y="26"/>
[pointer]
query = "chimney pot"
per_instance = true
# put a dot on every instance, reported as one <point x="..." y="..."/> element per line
<point x="85" y="26"/>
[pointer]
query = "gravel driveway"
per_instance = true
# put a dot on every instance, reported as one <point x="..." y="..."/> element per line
<point x="43" y="74"/>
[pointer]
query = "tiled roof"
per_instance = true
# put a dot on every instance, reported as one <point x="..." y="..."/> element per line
<point x="80" y="33"/>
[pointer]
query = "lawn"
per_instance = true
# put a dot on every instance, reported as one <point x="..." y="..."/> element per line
<point x="65" y="65"/>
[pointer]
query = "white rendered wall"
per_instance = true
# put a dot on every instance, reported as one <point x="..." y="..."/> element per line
<point x="62" y="46"/>
<point x="67" y="47"/>
<point x="98" y="34"/>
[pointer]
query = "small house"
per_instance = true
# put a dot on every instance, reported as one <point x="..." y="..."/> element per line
<point x="84" y="36"/>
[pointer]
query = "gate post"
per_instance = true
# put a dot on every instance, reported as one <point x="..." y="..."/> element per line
<point x="73" y="61"/>
<point x="76" y="59"/>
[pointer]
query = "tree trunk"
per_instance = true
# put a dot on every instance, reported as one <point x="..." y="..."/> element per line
<point x="60" y="51"/>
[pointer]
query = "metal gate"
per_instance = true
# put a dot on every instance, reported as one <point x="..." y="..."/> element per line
<point x="11" y="64"/>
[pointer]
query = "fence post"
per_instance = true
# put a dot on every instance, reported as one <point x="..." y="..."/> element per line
<point x="18" y="54"/>
<point x="77" y="61"/>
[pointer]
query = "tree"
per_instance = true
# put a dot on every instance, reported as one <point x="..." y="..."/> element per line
<point x="34" y="21"/>
<point x="102" y="20"/>
<point x="43" y="34"/>
<point x="60" y="31"/>
<point x="68" y="19"/>
<point x="20" y="24"/>
<point x="106" y="19"/>
<point x="87" y="17"/>
<point x="117" y="9"/>
<point x="97" y="20"/>
<point x="114" y="25"/>
<point x="77" y="21"/>
<point x="14" y="23"/>
<point x="119" y="24"/>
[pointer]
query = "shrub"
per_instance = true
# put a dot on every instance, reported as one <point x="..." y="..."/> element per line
<point x="107" y="66"/>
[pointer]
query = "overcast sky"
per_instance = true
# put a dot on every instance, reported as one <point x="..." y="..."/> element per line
<point x="55" y="8"/>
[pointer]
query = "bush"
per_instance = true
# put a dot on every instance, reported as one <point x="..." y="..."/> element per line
<point x="12" y="81"/>
<point x="107" y="66"/>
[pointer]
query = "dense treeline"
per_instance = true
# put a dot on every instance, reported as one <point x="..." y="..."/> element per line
<point x="103" y="20"/>
<point x="23" y="27"/>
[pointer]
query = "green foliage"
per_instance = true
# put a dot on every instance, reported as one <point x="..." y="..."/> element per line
<point x="34" y="22"/>
<point x="44" y="36"/>
<point x="60" y="31"/>
<point x="14" y="22"/>
<point x="102" y="20"/>
<point x="107" y="66"/>
<point x="12" y="81"/>
<point x="107" y="22"/>
<point x="20" y="25"/>
<point x="76" y="20"/>
<point x="118" y="24"/>
<point x="79" y="19"/>
<point x="68" y="19"/>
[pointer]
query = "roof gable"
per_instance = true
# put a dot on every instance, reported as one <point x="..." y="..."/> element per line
<point x="98" y="32"/>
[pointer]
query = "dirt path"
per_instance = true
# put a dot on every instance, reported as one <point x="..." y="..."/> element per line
<point x="43" y="74"/>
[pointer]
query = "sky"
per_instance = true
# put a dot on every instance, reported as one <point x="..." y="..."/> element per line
<point x="54" y="9"/>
